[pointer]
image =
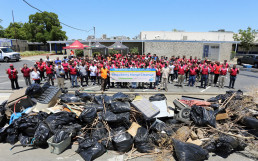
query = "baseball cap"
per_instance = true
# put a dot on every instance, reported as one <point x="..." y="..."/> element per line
<point x="11" y="65"/>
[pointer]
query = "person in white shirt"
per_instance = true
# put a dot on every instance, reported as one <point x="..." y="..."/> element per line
<point x="164" y="81"/>
<point x="172" y="73"/>
<point x="93" y="73"/>
<point x="35" y="75"/>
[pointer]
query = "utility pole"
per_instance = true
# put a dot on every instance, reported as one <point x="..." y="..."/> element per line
<point x="94" y="33"/>
<point x="18" y="47"/>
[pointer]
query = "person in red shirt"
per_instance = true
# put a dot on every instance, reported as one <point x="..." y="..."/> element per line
<point x="26" y="74"/>
<point x="181" y="74"/>
<point x="222" y="77"/>
<point x="204" y="70"/>
<point x="12" y="74"/>
<point x="192" y="75"/>
<point x="65" y="66"/>
<point x="50" y="73"/>
<point x="158" y="74"/>
<point x="233" y="73"/>
<point x="73" y="74"/>
<point x="216" y="73"/>
<point x="41" y="67"/>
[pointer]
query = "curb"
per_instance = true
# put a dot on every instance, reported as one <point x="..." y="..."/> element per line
<point x="142" y="93"/>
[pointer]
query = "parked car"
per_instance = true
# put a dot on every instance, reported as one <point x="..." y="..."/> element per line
<point x="249" y="59"/>
<point x="7" y="54"/>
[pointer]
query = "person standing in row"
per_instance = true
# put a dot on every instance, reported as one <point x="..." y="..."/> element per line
<point x="12" y="74"/>
<point x="171" y="74"/>
<point x="65" y="67"/>
<point x="50" y="73"/>
<point x="83" y="73"/>
<point x="73" y="75"/>
<point x="181" y="74"/>
<point x="216" y="73"/>
<point x="93" y="73"/>
<point x="26" y="74"/>
<point x="211" y="74"/>
<point x="233" y="74"/>
<point x="103" y="74"/>
<point x="222" y="77"/>
<point x="165" y="74"/>
<point x="192" y="76"/>
<point x="204" y="70"/>
<point x="60" y="74"/>
<point x="35" y="75"/>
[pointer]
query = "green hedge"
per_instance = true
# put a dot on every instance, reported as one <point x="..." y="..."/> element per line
<point x="33" y="53"/>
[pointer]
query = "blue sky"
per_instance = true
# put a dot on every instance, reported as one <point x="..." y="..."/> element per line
<point x="130" y="17"/>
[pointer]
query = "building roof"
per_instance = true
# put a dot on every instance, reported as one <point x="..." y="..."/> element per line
<point x="92" y="41"/>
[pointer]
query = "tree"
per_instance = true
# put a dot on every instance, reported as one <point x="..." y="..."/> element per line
<point x="1" y="30"/>
<point x="15" y="31"/>
<point x="246" y="37"/>
<point x="43" y="27"/>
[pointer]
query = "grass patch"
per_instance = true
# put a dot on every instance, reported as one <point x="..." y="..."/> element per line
<point x="33" y="53"/>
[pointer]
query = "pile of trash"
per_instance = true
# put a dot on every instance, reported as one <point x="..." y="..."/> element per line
<point x="132" y="124"/>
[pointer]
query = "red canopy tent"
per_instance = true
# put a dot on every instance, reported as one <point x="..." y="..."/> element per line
<point x="76" y="45"/>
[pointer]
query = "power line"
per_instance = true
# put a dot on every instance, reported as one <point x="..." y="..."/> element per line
<point x="52" y="18"/>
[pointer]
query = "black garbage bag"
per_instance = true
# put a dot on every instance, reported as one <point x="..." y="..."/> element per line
<point x="87" y="142"/>
<point x="157" y="97"/>
<point x="25" y="140"/>
<point x="72" y="129"/>
<point x="159" y="126"/>
<point x="57" y="120"/>
<point x="141" y="141"/>
<point x="120" y="97"/>
<point x="34" y="90"/>
<point x="42" y="134"/>
<point x="122" y="140"/>
<point x="12" y="135"/>
<point x="3" y="134"/>
<point x="100" y="131"/>
<point x="68" y="98"/>
<point x="99" y="107"/>
<point x="203" y="117"/>
<point x="99" y="99"/>
<point x="92" y="152"/>
<point x="60" y="136"/>
<point x="84" y="96"/>
<point x="88" y="115"/>
<point x="116" y="118"/>
<point x="46" y="86"/>
<point x="120" y="107"/>
<point x="189" y="152"/>
<point x="226" y="144"/>
<point x="108" y="99"/>
<point x="250" y="122"/>
<point x="3" y="118"/>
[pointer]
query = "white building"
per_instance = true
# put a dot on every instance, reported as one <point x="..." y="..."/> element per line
<point x="187" y="36"/>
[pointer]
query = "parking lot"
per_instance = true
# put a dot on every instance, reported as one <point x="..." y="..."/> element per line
<point x="245" y="80"/>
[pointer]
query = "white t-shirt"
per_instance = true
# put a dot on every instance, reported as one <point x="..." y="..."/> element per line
<point x="93" y="70"/>
<point x="171" y="67"/>
<point x="35" y="75"/>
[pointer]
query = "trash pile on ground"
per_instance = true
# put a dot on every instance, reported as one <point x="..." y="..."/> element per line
<point x="130" y="124"/>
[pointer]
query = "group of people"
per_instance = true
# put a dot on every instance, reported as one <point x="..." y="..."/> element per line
<point x="96" y="70"/>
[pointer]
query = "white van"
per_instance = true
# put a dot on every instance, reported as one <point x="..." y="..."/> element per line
<point x="7" y="54"/>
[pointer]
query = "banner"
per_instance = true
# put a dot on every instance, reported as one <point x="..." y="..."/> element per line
<point x="132" y="75"/>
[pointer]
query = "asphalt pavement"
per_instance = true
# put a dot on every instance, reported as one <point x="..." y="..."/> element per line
<point x="245" y="80"/>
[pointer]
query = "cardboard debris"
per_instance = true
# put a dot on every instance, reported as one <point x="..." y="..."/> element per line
<point x="183" y="133"/>
<point x="133" y="129"/>
<point x="196" y="142"/>
<point x="193" y="135"/>
<point x="222" y="116"/>
<point x="200" y="134"/>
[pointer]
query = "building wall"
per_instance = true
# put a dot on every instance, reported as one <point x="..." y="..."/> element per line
<point x="184" y="48"/>
<point x="191" y="36"/>
<point x="23" y="45"/>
